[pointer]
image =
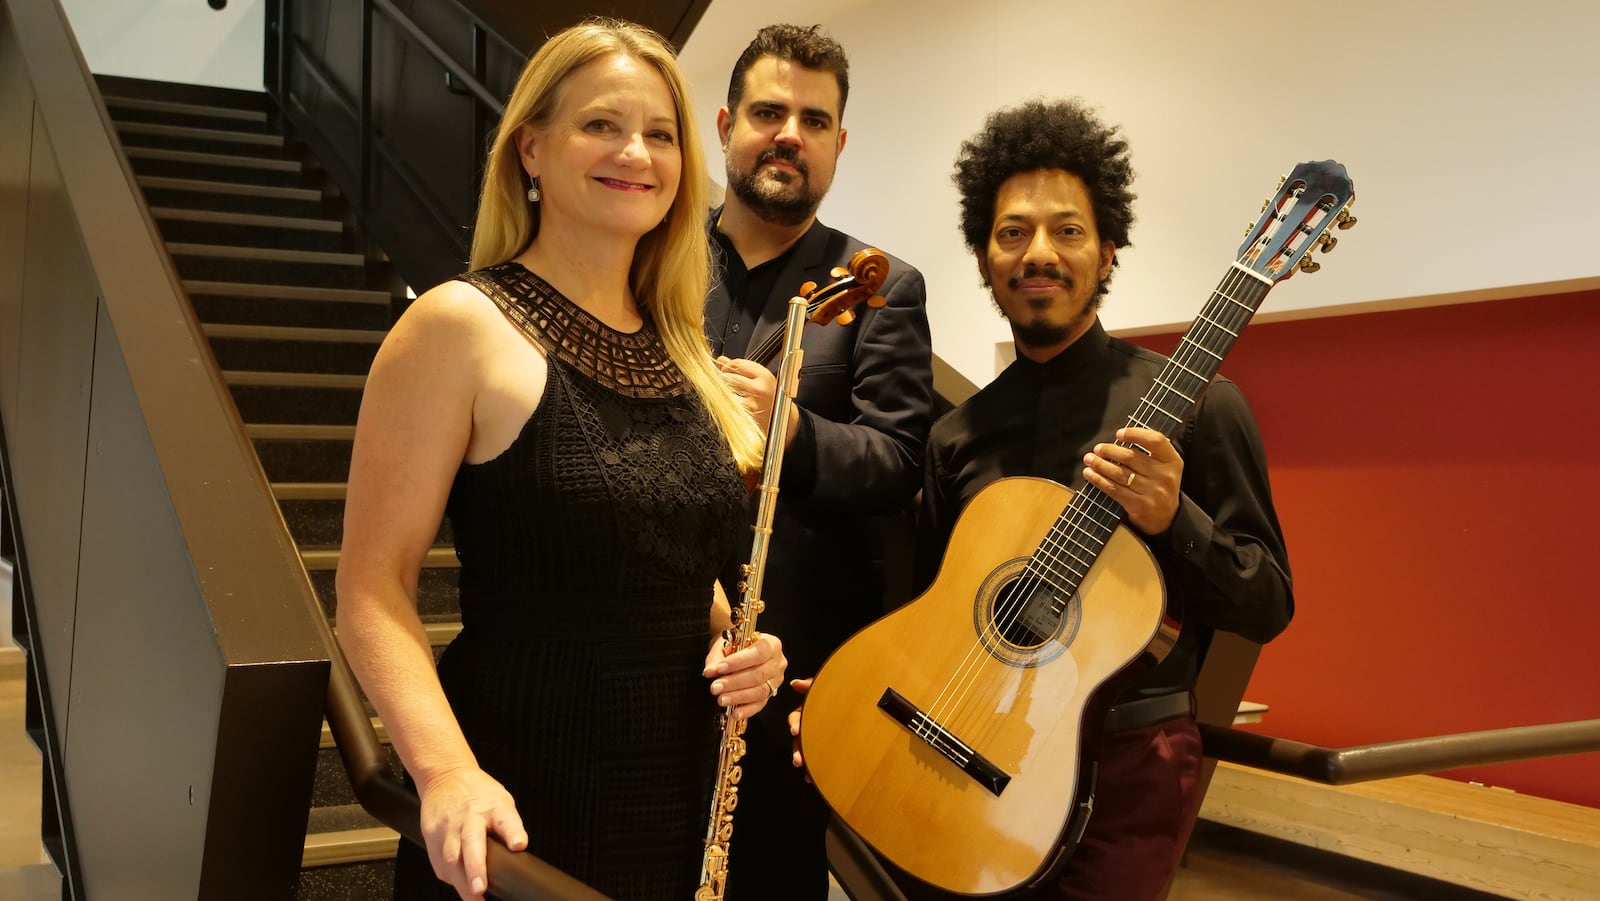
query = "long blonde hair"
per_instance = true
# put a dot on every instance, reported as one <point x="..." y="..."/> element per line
<point x="672" y="264"/>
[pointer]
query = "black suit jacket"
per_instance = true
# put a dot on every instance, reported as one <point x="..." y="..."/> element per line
<point x="864" y="407"/>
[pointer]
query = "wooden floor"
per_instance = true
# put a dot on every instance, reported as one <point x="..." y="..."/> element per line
<point x="19" y="783"/>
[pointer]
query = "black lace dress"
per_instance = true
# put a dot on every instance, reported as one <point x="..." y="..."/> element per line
<point x="588" y="550"/>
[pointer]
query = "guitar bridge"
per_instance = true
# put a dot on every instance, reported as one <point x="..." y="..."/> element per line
<point x="942" y="740"/>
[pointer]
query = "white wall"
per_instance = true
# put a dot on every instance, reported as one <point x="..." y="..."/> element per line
<point x="1470" y="129"/>
<point x="172" y="40"/>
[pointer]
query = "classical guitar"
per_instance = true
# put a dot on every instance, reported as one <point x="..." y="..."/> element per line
<point x="958" y="734"/>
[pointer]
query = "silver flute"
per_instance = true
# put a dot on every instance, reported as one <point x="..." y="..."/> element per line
<point x="859" y="282"/>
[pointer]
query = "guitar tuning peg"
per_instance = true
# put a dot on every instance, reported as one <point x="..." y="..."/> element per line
<point x="1327" y="242"/>
<point x="876" y="300"/>
<point x="847" y="317"/>
<point x="1248" y="227"/>
<point x="1268" y="202"/>
<point x="1307" y="264"/>
<point x="1345" y="220"/>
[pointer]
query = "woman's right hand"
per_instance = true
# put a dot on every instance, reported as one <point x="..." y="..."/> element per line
<point x="459" y="808"/>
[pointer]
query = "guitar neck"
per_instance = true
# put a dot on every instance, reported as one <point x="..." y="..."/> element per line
<point x="1084" y="527"/>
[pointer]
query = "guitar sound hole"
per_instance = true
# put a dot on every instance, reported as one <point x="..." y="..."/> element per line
<point x="1025" y="612"/>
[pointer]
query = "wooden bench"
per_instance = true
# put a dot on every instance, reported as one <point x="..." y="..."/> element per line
<point x="1488" y="839"/>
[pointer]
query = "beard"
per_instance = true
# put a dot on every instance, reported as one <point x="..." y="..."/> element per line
<point x="786" y="203"/>
<point x="1042" y="333"/>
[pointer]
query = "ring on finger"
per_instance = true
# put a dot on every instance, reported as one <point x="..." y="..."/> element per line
<point x="1131" y="476"/>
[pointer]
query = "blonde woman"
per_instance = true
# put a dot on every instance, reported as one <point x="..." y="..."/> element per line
<point x="559" y="404"/>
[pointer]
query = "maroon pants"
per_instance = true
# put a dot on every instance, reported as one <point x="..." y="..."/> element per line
<point x="1145" y="804"/>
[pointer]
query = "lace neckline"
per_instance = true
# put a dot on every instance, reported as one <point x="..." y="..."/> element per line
<point x="633" y="364"/>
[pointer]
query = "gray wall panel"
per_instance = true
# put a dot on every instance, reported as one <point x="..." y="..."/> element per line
<point x="147" y="684"/>
<point x="49" y="430"/>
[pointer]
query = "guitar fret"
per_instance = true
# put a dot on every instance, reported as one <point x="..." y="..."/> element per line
<point x="1231" y="299"/>
<point x="1164" y="411"/>
<point x="1188" y="370"/>
<point x="1174" y="390"/>
<point x="1219" y="325"/>
<point x="1206" y="350"/>
<point x="1101" y="506"/>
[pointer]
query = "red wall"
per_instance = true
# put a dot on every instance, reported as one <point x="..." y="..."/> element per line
<point x="1437" y="472"/>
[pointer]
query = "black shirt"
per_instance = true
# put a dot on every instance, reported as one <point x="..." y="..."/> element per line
<point x="1223" y="558"/>
<point x="748" y="289"/>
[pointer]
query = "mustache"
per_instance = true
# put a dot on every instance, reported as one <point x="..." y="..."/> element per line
<point x="1033" y="271"/>
<point x="788" y="154"/>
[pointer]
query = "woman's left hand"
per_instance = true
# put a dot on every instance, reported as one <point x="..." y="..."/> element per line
<point x="745" y="681"/>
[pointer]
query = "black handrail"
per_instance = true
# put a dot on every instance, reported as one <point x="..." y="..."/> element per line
<point x="513" y="876"/>
<point x="1408" y="757"/>
<point x="444" y="59"/>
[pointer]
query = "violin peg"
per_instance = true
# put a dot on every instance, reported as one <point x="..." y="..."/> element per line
<point x="807" y="288"/>
<point x="876" y="300"/>
<point x="847" y="317"/>
<point x="838" y="272"/>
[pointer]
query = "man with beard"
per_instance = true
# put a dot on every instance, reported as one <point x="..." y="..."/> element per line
<point x="854" y="446"/>
<point x="1045" y="205"/>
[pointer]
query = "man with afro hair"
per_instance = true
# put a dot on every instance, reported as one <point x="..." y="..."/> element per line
<point x="1046" y="203"/>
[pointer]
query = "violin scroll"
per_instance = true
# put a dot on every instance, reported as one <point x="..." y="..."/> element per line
<point x="856" y="283"/>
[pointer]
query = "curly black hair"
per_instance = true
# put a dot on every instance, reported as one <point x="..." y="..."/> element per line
<point x="1062" y="134"/>
<point x="807" y="46"/>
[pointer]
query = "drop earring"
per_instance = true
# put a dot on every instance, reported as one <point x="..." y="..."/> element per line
<point x="533" y="192"/>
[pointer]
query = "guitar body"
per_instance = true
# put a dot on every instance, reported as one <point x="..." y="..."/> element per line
<point x="1021" y="690"/>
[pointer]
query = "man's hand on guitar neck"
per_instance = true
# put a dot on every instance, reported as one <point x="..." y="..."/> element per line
<point x="1143" y="478"/>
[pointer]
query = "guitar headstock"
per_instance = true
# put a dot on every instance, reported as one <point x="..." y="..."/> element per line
<point x="1314" y="198"/>
<point x="855" y="283"/>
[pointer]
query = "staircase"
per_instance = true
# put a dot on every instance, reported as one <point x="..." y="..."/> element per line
<point x="269" y="253"/>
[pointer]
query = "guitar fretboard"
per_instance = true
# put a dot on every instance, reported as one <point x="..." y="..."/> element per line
<point x="1083" y="528"/>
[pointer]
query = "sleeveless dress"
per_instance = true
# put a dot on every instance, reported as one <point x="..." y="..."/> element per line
<point x="588" y="551"/>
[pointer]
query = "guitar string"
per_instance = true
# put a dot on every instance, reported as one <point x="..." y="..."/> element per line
<point x="1096" y="507"/>
<point x="1224" y="312"/>
<point x="945" y="712"/>
<point x="1013" y="602"/>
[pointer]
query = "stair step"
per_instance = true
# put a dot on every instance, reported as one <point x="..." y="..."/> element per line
<point x="286" y="292"/>
<point x="184" y="109"/>
<point x="228" y="160"/>
<point x="205" y="186"/>
<point x="346" y="834"/>
<point x="327" y="559"/>
<point x="273" y="431"/>
<point x="305" y="453"/>
<point x="224" y="217"/>
<point x="314" y="512"/>
<point x="180" y="226"/>
<point x="290" y="397"/>
<point x="294" y="380"/>
<point x="294" y="333"/>
<point x="266" y="254"/>
<point x="193" y="133"/>
<point x="438" y="593"/>
<point x="309" y="491"/>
